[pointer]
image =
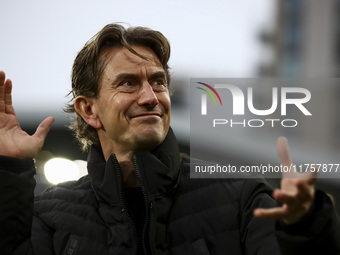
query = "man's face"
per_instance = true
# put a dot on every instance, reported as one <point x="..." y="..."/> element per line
<point x="133" y="105"/>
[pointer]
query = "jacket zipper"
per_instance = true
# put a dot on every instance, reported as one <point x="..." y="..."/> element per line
<point x="122" y="201"/>
<point x="147" y="208"/>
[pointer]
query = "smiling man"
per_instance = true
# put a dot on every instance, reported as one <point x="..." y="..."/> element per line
<point x="138" y="197"/>
<point x="132" y="110"/>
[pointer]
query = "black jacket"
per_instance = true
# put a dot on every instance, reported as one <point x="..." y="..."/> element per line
<point x="184" y="215"/>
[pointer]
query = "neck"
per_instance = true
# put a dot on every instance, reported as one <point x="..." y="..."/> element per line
<point x="124" y="157"/>
<point x="126" y="165"/>
<point x="129" y="173"/>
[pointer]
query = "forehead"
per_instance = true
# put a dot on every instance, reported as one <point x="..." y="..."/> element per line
<point x="121" y="59"/>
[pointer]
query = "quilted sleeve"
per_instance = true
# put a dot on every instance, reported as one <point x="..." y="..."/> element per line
<point x="16" y="201"/>
<point x="257" y="235"/>
<point x="16" y="209"/>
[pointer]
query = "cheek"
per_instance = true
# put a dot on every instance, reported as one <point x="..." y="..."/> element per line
<point x="118" y="111"/>
<point x="116" y="105"/>
<point x="165" y="101"/>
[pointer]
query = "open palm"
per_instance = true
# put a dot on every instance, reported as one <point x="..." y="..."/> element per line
<point x="15" y="142"/>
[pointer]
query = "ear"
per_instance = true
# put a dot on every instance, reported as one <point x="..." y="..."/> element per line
<point x="85" y="107"/>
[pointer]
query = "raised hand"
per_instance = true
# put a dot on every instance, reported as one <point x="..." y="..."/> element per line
<point x="14" y="142"/>
<point x="296" y="193"/>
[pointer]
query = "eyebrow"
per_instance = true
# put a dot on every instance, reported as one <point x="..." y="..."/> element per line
<point x="124" y="76"/>
<point x="159" y="74"/>
<point x="127" y="76"/>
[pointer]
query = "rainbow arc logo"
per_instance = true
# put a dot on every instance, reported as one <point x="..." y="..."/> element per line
<point x="209" y="93"/>
<point x="204" y="97"/>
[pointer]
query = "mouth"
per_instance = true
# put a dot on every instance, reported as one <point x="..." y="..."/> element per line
<point x="147" y="115"/>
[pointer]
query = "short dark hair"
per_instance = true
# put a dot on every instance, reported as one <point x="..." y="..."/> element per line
<point x="91" y="61"/>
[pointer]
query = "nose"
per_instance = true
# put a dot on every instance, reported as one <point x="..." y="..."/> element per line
<point x="147" y="96"/>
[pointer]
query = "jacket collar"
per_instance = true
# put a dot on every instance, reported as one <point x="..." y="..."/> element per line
<point x="158" y="171"/>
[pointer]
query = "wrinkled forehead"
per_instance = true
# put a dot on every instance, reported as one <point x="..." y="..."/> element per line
<point x="122" y="60"/>
<point x="137" y="55"/>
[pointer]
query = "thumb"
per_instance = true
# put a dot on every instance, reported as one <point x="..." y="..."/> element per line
<point x="43" y="128"/>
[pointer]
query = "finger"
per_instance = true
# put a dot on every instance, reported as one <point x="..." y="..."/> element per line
<point x="43" y="128"/>
<point x="285" y="159"/>
<point x="2" y="75"/>
<point x="283" y="151"/>
<point x="8" y="97"/>
<point x="285" y="198"/>
<point x="305" y="190"/>
<point x="2" y="97"/>
<point x="278" y="213"/>
<point x="5" y="94"/>
<point x="312" y="173"/>
<point x="299" y="188"/>
<point x="283" y="213"/>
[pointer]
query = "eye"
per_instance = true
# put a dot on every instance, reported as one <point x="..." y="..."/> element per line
<point x="159" y="82"/>
<point x="159" y="85"/>
<point x="127" y="86"/>
<point x="126" y="83"/>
